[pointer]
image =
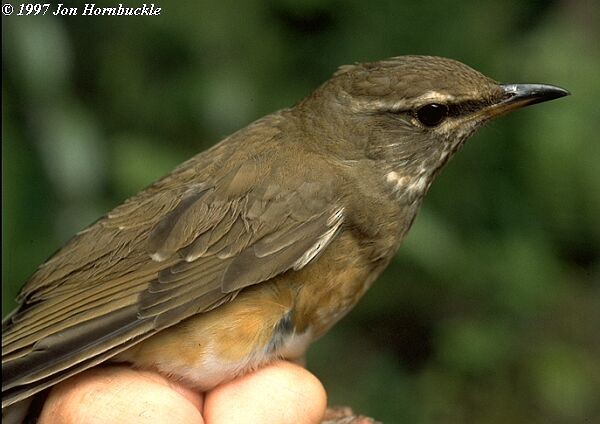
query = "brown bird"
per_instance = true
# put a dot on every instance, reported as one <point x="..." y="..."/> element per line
<point x="256" y="247"/>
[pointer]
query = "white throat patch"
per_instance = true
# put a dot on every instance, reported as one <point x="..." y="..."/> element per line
<point x="407" y="183"/>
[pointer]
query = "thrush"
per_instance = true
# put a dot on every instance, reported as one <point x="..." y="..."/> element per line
<point x="251" y="250"/>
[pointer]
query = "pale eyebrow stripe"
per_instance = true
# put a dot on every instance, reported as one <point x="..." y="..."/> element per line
<point x="455" y="107"/>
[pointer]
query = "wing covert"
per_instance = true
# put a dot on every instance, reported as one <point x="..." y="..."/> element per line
<point x="207" y="245"/>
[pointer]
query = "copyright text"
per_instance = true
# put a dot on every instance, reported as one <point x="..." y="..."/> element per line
<point x="88" y="9"/>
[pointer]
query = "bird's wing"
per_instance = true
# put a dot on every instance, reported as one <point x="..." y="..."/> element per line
<point x="129" y="276"/>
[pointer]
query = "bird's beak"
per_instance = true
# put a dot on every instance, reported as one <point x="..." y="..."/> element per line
<point x="517" y="96"/>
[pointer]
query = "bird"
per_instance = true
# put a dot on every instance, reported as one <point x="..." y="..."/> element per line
<point x="253" y="249"/>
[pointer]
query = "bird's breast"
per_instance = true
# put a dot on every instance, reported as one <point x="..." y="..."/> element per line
<point x="330" y="287"/>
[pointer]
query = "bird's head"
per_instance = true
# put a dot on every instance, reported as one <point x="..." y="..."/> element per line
<point x="412" y="113"/>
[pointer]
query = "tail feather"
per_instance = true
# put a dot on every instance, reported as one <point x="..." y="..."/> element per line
<point x="69" y="352"/>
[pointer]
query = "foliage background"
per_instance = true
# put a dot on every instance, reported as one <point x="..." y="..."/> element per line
<point x="490" y="312"/>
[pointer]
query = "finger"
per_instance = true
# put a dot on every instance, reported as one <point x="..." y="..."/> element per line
<point x="280" y="393"/>
<point x="121" y="395"/>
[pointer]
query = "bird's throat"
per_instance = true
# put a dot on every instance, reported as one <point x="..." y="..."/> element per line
<point x="408" y="187"/>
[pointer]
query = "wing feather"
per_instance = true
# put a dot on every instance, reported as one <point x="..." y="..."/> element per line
<point x="128" y="276"/>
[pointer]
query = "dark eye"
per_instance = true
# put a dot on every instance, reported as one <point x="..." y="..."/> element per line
<point x="432" y="114"/>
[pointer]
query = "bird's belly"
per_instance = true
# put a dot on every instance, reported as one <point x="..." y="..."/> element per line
<point x="212" y="369"/>
<point x="234" y="339"/>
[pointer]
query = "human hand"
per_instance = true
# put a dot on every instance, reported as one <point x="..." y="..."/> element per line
<point x="279" y="393"/>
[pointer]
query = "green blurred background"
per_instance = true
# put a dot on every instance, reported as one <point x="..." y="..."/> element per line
<point x="490" y="312"/>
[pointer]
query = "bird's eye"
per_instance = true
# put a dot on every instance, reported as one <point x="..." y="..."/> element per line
<point x="432" y="114"/>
